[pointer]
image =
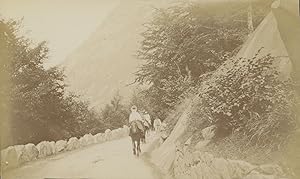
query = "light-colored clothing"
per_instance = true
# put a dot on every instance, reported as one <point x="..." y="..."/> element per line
<point x="157" y="124"/>
<point x="135" y="116"/>
<point x="147" y="118"/>
<point x="163" y="124"/>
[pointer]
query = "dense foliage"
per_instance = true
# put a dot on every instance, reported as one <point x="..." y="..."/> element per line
<point x="184" y="42"/>
<point x="115" y="114"/>
<point x="252" y="97"/>
<point x="38" y="105"/>
<point x="187" y="47"/>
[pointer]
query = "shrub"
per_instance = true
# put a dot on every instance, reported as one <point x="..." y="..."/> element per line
<point x="250" y="96"/>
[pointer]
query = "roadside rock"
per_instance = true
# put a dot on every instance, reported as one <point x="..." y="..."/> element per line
<point x="9" y="158"/>
<point x="118" y="133"/>
<point x="113" y="135"/>
<point x="53" y="148"/>
<point x="257" y="175"/>
<point x="209" y="132"/>
<point x="83" y="141"/>
<point x="240" y="168"/>
<point x="205" y="166"/>
<point x="126" y="130"/>
<point x="201" y="144"/>
<point x="271" y="169"/>
<point x="19" y="149"/>
<point x="108" y="135"/>
<point x="13" y="156"/>
<point x="29" y="153"/>
<point x="100" y="137"/>
<point x="60" y="145"/>
<point x="89" y="138"/>
<point x="72" y="144"/>
<point x="44" y="149"/>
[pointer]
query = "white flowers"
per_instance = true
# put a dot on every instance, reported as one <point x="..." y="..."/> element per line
<point x="228" y="114"/>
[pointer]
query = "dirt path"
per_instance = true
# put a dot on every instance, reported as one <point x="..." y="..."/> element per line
<point x="110" y="160"/>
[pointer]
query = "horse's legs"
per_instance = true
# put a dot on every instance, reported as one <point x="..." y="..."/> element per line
<point x="143" y="139"/>
<point x="138" y="148"/>
<point x="146" y="134"/>
<point x="133" y="145"/>
<point x="139" y="145"/>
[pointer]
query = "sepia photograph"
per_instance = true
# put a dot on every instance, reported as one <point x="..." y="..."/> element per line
<point x="150" y="89"/>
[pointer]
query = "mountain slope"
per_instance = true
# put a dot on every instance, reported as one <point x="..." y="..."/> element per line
<point x="105" y="62"/>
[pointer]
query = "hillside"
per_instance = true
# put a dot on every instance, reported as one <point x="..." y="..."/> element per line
<point x="195" y="148"/>
<point x="106" y="61"/>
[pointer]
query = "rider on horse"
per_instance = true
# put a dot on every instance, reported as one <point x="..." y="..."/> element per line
<point x="136" y="118"/>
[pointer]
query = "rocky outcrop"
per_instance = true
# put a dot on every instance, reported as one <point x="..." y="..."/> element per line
<point x="14" y="156"/>
<point x="164" y="156"/>
<point x="208" y="133"/>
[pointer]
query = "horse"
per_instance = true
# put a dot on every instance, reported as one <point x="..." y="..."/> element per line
<point x="147" y="129"/>
<point x="136" y="135"/>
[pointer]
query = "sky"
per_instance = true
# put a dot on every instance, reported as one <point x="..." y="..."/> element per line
<point x="64" y="24"/>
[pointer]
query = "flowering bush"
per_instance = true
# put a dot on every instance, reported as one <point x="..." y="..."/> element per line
<point x="250" y="96"/>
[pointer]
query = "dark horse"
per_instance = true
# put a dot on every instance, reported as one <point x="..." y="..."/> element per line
<point x="147" y="129"/>
<point x="136" y="135"/>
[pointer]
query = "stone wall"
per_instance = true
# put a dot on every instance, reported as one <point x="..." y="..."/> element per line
<point x="191" y="162"/>
<point x="194" y="165"/>
<point x="14" y="156"/>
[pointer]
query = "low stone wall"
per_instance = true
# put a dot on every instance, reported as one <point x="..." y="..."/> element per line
<point x="181" y="161"/>
<point x="14" y="156"/>
<point x="193" y="165"/>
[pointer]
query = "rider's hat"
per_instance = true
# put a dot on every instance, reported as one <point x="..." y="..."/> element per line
<point x="133" y="108"/>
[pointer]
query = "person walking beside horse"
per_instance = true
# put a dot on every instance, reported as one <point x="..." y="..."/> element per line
<point x="157" y="125"/>
<point x="147" y="122"/>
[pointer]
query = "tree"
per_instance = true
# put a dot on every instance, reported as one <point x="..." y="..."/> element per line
<point x="38" y="106"/>
<point x="184" y="42"/>
<point x="115" y="114"/>
<point x="34" y="92"/>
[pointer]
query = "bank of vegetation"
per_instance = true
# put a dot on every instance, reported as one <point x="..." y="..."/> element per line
<point x="186" y="49"/>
